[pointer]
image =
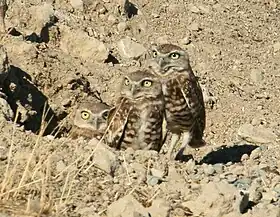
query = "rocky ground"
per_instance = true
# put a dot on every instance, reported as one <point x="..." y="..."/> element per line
<point x="62" y="52"/>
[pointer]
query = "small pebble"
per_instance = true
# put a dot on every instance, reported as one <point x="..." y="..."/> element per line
<point x="276" y="47"/>
<point x="209" y="170"/>
<point x="157" y="173"/>
<point x="255" y="154"/>
<point x="194" y="9"/>
<point x="243" y="184"/>
<point x="194" y="27"/>
<point x="244" y="157"/>
<point x="219" y="168"/>
<point x="231" y="178"/>
<point x="122" y="26"/>
<point x="256" y="75"/>
<point x="112" y="19"/>
<point x="152" y="180"/>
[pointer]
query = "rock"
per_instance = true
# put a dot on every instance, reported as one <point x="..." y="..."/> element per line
<point x="244" y="157"/>
<point x="40" y="16"/>
<point x="204" y="9"/>
<point x="103" y="158"/>
<point x="269" y="196"/>
<point x="231" y="178"/>
<point x="88" y="211"/>
<point x="153" y="180"/>
<point x="162" y="39"/>
<point x="209" y="170"/>
<point x="218" y="199"/>
<point x="6" y="113"/>
<point x="126" y="207"/>
<point x="219" y="168"/>
<point x="255" y="190"/>
<point x="77" y="4"/>
<point x="243" y="184"/>
<point x="3" y="150"/>
<point x="22" y="50"/>
<point x="256" y="134"/>
<point x="122" y="26"/>
<point x="130" y="49"/>
<point x="4" y="64"/>
<point x="271" y="211"/>
<point x="78" y="44"/>
<point x="256" y="75"/>
<point x="194" y="27"/>
<point x="193" y="8"/>
<point x="112" y="19"/>
<point x="159" y="208"/>
<point x="157" y="173"/>
<point x="276" y="47"/>
<point x="255" y="154"/>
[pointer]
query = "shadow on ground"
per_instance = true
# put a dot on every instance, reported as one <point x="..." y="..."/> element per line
<point x="228" y="154"/>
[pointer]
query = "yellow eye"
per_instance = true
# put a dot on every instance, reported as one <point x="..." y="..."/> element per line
<point x="85" y="115"/>
<point x="126" y="82"/>
<point x="147" y="83"/>
<point x="154" y="54"/>
<point x="105" y="115"/>
<point x="174" y="56"/>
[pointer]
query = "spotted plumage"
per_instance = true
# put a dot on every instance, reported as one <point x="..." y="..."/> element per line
<point x="90" y="120"/>
<point x="136" y="120"/>
<point x="184" y="105"/>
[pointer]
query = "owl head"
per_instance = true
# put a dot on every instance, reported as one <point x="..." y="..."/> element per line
<point x="92" y="116"/>
<point x="140" y="84"/>
<point x="167" y="58"/>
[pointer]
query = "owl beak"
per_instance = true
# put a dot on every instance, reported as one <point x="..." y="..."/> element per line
<point x="96" y="123"/>
<point x="161" y="62"/>
<point x="133" y="91"/>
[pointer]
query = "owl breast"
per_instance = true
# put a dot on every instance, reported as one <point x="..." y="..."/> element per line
<point x="144" y="126"/>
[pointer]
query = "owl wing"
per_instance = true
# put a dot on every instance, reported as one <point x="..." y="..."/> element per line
<point x="117" y="123"/>
<point x="158" y="126"/>
<point x="193" y="95"/>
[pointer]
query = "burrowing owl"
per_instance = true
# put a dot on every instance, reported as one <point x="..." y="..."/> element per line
<point x="184" y="105"/>
<point x="136" y="120"/>
<point x="90" y="120"/>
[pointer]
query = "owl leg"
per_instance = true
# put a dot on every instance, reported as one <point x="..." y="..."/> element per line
<point x="174" y="140"/>
<point x="186" y="140"/>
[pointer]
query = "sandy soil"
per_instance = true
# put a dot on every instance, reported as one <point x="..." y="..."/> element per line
<point x="62" y="52"/>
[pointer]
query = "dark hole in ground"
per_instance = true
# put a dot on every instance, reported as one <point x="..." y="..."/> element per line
<point x="112" y="59"/>
<point x="130" y="9"/>
<point x="29" y="96"/>
<point x="14" y="32"/>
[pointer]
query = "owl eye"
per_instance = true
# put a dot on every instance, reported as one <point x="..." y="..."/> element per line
<point x="105" y="114"/>
<point x="85" y="115"/>
<point x="147" y="83"/>
<point x="174" y="56"/>
<point x="126" y="82"/>
<point x="154" y="54"/>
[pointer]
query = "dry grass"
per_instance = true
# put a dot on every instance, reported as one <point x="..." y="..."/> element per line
<point x="11" y="188"/>
<point x="9" y="183"/>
